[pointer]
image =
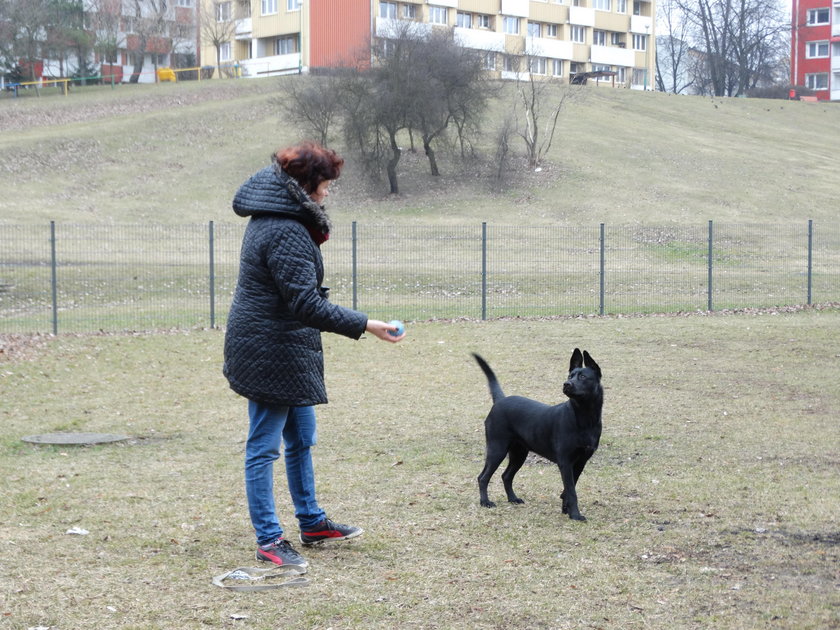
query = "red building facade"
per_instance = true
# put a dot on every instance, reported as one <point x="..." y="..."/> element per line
<point x="815" y="47"/>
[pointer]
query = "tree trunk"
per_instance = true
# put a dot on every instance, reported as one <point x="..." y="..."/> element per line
<point x="396" y="153"/>
<point x="430" y="153"/>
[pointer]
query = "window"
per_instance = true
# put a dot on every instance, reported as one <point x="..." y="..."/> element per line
<point x="224" y="51"/>
<point x="438" y="15"/>
<point x="575" y="67"/>
<point x="464" y="20"/>
<point x="815" y="50"/>
<point x="599" y="38"/>
<point x="602" y="5"/>
<point x="615" y="39"/>
<point x="184" y="3"/>
<point x="223" y="12"/>
<point x="551" y="30"/>
<point x="621" y="6"/>
<point x="286" y="45"/>
<point x="483" y="21"/>
<point x="639" y="42"/>
<point x="817" y="81"/>
<point x="637" y="7"/>
<point x="511" y="25"/>
<point x="268" y="6"/>
<point x="511" y="63"/>
<point x="490" y="61"/>
<point x="621" y="77"/>
<point x="818" y="16"/>
<point x="388" y="10"/>
<point x="599" y="67"/>
<point x="557" y="67"/>
<point x="639" y="76"/>
<point x="293" y="5"/>
<point x="537" y="65"/>
<point x="578" y="34"/>
<point x="534" y="29"/>
<point x="409" y="12"/>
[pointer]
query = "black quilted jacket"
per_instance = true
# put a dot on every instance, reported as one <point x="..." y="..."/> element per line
<point x="273" y="352"/>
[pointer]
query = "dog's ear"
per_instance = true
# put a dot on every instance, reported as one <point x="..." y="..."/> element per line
<point x="576" y="361"/>
<point x="590" y="363"/>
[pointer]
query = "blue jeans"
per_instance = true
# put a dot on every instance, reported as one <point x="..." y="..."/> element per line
<point x="296" y="426"/>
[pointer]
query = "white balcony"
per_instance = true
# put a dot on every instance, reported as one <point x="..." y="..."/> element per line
<point x="640" y="24"/>
<point x="551" y="48"/>
<point x="515" y="8"/>
<point x="612" y="55"/>
<point x="388" y="28"/>
<point x="266" y="66"/>
<point x="480" y="39"/>
<point x="243" y="28"/>
<point x="511" y="75"/>
<point x="581" y="16"/>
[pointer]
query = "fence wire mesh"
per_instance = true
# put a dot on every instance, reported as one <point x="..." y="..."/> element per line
<point x="84" y="278"/>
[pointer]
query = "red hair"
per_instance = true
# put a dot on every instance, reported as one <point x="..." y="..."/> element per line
<point x="310" y="164"/>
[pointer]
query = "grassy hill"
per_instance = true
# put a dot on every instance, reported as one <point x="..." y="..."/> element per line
<point x="175" y="153"/>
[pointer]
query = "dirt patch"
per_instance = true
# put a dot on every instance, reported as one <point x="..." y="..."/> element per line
<point x="21" y="347"/>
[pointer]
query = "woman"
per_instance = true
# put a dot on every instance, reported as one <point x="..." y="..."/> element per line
<point x="273" y="353"/>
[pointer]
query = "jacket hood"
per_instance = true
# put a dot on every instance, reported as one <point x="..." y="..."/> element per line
<point x="272" y="191"/>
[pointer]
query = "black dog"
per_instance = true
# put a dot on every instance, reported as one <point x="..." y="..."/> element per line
<point x="567" y="434"/>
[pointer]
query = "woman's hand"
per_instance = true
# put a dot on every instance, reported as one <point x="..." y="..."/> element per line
<point x="383" y="331"/>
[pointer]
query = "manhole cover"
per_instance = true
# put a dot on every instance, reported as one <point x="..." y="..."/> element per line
<point x="74" y="438"/>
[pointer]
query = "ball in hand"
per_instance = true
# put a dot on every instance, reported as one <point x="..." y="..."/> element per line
<point x="400" y="328"/>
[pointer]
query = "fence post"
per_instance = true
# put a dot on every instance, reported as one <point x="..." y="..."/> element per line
<point x="212" y="277"/>
<point x="603" y="266"/>
<point x="484" y="270"/>
<point x="810" y="258"/>
<point x="709" y="305"/>
<point x="353" y="270"/>
<point x="54" y="278"/>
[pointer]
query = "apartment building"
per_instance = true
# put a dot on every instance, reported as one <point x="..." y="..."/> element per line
<point x="125" y="41"/>
<point x="550" y="38"/>
<point x="815" y="47"/>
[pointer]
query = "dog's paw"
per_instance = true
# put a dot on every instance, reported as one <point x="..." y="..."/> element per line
<point x="516" y="500"/>
<point x="488" y="504"/>
<point x="577" y="517"/>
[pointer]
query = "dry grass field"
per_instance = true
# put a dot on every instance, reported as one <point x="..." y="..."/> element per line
<point x="175" y="153"/>
<point x="711" y="503"/>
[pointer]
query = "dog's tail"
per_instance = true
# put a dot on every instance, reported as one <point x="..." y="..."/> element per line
<point x="495" y="389"/>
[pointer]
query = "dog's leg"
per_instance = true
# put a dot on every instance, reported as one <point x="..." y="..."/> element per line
<point x="496" y="452"/>
<point x="516" y="457"/>
<point x="569" y="494"/>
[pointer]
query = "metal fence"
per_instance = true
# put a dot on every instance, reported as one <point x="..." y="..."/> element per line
<point x="83" y="278"/>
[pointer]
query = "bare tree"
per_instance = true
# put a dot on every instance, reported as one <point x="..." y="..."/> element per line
<point x="104" y="18"/>
<point x="538" y="103"/>
<point x="741" y="41"/>
<point x="314" y="103"/>
<point x="218" y="26"/>
<point x="454" y="91"/>
<point x="26" y="24"/>
<point x="419" y="84"/>
<point x="149" y="19"/>
<point x="674" y="59"/>
<point x="501" y="159"/>
<point x="378" y="102"/>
